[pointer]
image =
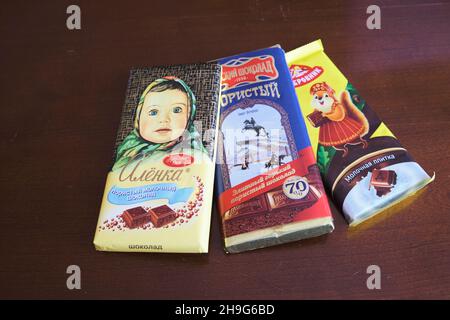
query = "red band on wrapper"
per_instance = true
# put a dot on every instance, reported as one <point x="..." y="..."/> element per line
<point x="265" y="182"/>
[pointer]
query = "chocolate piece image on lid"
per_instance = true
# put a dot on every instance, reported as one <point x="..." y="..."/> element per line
<point x="135" y="217"/>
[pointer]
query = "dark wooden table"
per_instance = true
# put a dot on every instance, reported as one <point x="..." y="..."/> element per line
<point x="61" y="96"/>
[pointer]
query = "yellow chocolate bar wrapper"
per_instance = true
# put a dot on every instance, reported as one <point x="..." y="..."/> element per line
<point x="158" y="193"/>
<point x="363" y="165"/>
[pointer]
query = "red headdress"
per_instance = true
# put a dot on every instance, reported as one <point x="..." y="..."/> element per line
<point x="321" y="86"/>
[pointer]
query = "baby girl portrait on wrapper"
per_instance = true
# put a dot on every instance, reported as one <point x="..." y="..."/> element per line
<point x="163" y="123"/>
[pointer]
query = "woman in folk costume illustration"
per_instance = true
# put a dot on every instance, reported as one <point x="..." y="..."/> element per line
<point x="345" y="125"/>
<point x="163" y="122"/>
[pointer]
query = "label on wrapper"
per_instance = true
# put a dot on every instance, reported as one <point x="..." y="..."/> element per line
<point x="158" y="193"/>
<point x="268" y="183"/>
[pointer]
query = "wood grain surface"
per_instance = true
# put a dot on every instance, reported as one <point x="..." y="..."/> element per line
<point x="61" y="96"/>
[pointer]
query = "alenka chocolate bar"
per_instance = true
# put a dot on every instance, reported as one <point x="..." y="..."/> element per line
<point x="269" y="186"/>
<point x="362" y="163"/>
<point x="158" y="194"/>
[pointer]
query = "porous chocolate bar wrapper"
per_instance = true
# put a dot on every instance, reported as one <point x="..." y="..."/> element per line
<point x="362" y="163"/>
<point x="158" y="193"/>
<point x="268" y="183"/>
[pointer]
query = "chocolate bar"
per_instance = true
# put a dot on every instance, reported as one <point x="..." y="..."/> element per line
<point x="165" y="154"/>
<point x="316" y="118"/>
<point x="353" y="141"/>
<point x="383" y="181"/>
<point x="135" y="217"/>
<point x="162" y="215"/>
<point x="264" y="157"/>
<point x="314" y="179"/>
<point x="247" y="216"/>
<point x="256" y="221"/>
